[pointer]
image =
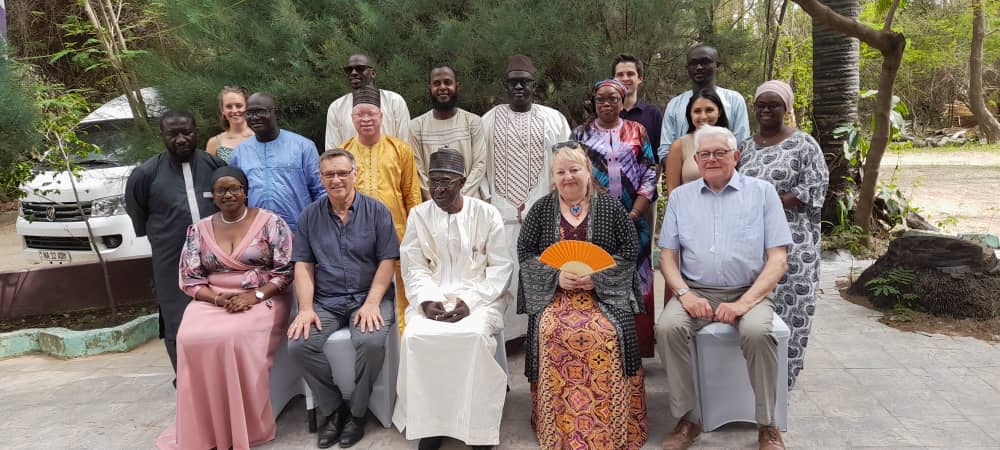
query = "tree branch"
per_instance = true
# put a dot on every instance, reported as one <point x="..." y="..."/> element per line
<point x="890" y="16"/>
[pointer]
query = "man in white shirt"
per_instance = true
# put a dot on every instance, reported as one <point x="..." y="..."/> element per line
<point x="360" y="72"/>
<point x="456" y="267"/>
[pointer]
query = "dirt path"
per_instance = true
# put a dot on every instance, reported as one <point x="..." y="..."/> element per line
<point x="962" y="185"/>
<point x="11" y="257"/>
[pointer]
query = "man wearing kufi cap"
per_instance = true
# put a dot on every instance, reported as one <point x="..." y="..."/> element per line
<point x="518" y="137"/>
<point x="386" y="169"/>
<point x="456" y="267"/>
<point x="360" y="73"/>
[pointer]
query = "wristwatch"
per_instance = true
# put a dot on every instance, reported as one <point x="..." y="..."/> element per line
<point x="259" y="294"/>
<point x="682" y="291"/>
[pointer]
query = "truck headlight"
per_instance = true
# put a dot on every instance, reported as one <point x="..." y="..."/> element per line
<point x="108" y="206"/>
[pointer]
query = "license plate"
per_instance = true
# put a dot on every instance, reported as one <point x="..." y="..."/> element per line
<point x="54" y="256"/>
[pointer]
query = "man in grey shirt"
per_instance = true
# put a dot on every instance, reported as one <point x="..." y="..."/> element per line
<point x="345" y="253"/>
<point x="724" y="244"/>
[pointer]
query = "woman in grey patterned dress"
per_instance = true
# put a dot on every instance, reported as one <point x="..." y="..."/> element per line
<point x="793" y="162"/>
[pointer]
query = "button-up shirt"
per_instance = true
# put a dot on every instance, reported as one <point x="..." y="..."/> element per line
<point x="650" y="117"/>
<point x="722" y="237"/>
<point x="346" y="255"/>
<point x="283" y="174"/>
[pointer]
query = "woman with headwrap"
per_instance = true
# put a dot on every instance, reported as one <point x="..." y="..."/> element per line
<point x="236" y="265"/>
<point x="624" y="163"/>
<point x="793" y="162"/>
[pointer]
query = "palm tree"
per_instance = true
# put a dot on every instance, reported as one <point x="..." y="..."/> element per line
<point x="836" y="87"/>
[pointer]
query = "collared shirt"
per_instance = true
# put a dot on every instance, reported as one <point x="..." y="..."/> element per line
<point x="283" y="174"/>
<point x="346" y="255"/>
<point x="675" y="122"/>
<point x="723" y="237"/>
<point x="650" y="117"/>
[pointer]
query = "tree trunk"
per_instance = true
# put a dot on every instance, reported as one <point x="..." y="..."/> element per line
<point x="891" y="45"/>
<point x="836" y="88"/>
<point x="989" y="128"/>
<point x="772" y="49"/>
<point x="105" y="22"/>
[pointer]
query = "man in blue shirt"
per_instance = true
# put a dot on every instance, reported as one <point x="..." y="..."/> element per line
<point x="345" y="253"/>
<point x="724" y="244"/>
<point x="282" y="167"/>
<point x="702" y="64"/>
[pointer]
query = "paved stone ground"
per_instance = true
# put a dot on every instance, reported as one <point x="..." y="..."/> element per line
<point x="865" y="385"/>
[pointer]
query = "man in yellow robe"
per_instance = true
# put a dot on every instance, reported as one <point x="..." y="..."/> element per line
<point x="386" y="171"/>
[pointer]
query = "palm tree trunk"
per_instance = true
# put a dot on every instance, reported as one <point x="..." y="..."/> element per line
<point x="836" y="87"/>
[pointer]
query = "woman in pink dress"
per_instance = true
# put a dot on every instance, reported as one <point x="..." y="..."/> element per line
<point x="235" y="265"/>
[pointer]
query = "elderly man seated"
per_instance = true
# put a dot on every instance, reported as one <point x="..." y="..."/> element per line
<point x="456" y="269"/>
<point x="724" y="244"/>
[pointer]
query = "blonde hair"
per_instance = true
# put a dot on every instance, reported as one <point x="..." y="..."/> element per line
<point x="574" y="152"/>
<point x="230" y="90"/>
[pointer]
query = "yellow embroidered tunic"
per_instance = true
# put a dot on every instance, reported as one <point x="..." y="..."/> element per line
<point x="388" y="173"/>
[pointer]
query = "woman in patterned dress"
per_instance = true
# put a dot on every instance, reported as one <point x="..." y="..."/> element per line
<point x="624" y="163"/>
<point x="232" y="105"/>
<point x="235" y="264"/>
<point x="582" y="360"/>
<point x="793" y="162"/>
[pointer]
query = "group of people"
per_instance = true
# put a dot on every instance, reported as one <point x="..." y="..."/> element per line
<point x="432" y="228"/>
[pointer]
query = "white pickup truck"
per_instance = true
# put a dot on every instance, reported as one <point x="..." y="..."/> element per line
<point x="49" y="222"/>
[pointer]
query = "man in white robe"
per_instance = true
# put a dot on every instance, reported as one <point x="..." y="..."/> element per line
<point x="456" y="267"/>
<point x="360" y="72"/>
<point x="519" y="137"/>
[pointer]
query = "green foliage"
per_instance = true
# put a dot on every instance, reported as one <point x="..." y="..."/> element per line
<point x="17" y="134"/>
<point x="934" y="71"/>
<point x="895" y="285"/>
<point x="846" y="236"/>
<point x="295" y="49"/>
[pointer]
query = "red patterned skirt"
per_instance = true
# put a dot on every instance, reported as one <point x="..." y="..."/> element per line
<point x="582" y="399"/>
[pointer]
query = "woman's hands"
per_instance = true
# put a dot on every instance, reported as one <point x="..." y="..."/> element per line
<point x="569" y="281"/>
<point x="236" y="302"/>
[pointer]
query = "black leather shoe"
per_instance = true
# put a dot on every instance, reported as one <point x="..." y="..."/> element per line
<point x="330" y="433"/>
<point x="430" y="443"/>
<point x="481" y="447"/>
<point x="354" y="430"/>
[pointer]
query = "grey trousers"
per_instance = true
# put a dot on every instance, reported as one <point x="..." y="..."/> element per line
<point x="369" y="355"/>
<point x="674" y="330"/>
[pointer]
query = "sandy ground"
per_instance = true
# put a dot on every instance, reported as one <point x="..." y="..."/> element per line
<point x="950" y="184"/>
<point x="11" y="257"/>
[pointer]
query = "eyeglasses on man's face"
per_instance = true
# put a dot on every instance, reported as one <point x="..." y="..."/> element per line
<point x="717" y="154"/>
<point x="333" y="175"/>
<point x="254" y="113"/>
<point x="442" y="182"/>
<point x="365" y="115"/>
<point x="231" y="190"/>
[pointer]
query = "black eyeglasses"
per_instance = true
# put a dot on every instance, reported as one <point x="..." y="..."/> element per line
<point x="704" y="62"/>
<point x="252" y="113"/>
<point x="768" y="106"/>
<point x="442" y="183"/>
<point x="567" y="144"/>
<point x="232" y="190"/>
<point x="359" y="68"/>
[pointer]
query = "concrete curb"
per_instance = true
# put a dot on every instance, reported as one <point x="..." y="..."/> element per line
<point x="64" y="343"/>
